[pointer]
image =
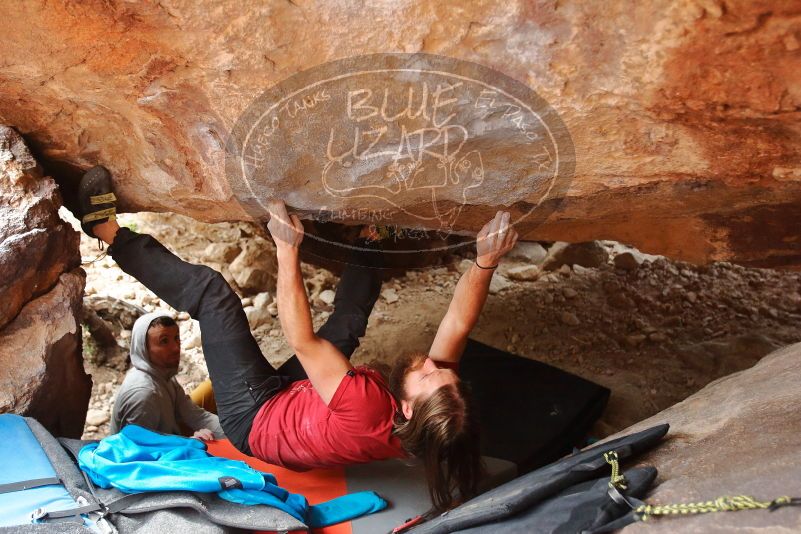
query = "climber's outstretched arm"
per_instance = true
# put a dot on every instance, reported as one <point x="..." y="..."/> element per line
<point x="324" y="364"/>
<point x="494" y="240"/>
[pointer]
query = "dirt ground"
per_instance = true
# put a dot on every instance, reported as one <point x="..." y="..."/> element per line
<point x="653" y="335"/>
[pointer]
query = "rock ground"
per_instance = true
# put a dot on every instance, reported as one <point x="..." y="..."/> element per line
<point x="652" y="330"/>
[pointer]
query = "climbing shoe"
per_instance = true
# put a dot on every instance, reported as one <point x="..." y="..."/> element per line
<point x="96" y="198"/>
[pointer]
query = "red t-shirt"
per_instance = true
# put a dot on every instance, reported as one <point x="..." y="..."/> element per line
<point x="295" y="429"/>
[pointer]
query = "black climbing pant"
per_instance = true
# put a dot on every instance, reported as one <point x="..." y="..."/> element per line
<point x="242" y="378"/>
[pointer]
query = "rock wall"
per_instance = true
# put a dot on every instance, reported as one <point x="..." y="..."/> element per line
<point x="738" y="435"/>
<point x="684" y="114"/>
<point x="36" y="246"/>
<point x="41" y="290"/>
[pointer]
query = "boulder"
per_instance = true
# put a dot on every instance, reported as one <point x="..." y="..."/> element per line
<point x="262" y="300"/>
<point x="569" y="318"/>
<point x="257" y="316"/>
<point x="738" y="435"/>
<point x="255" y="269"/>
<point x="327" y="296"/>
<point x="97" y="417"/>
<point x="113" y="310"/>
<point x="222" y="252"/>
<point x="41" y="365"/>
<point x="523" y="273"/>
<point x="36" y="246"/>
<point x="530" y="252"/>
<point x="389" y="295"/>
<point x="498" y="284"/>
<point x="589" y="254"/>
<point x="628" y="261"/>
<point x="41" y="289"/>
<point x="676" y="156"/>
<point x="627" y="254"/>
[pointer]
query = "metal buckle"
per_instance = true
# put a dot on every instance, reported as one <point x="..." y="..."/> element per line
<point x="37" y="515"/>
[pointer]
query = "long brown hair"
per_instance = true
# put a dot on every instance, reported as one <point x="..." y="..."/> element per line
<point x="443" y="433"/>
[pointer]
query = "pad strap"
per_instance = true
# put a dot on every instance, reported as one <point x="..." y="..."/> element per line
<point x="28" y="484"/>
<point x="40" y="514"/>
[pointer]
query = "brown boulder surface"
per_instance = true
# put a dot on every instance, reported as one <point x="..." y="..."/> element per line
<point x="684" y="114"/>
<point x="36" y="246"/>
<point x="738" y="435"/>
<point x="41" y="363"/>
<point x="41" y="289"/>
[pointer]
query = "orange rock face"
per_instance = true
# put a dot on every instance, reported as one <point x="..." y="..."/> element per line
<point x="683" y="117"/>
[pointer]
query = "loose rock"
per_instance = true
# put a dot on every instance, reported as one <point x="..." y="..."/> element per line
<point x="390" y="296"/>
<point x="254" y="269"/>
<point x="523" y="273"/>
<point x="262" y="300"/>
<point x="498" y="284"/>
<point x="222" y="252"/>
<point x="628" y="261"/>
<point x="657" y="337"/>
<point x="569" y="318"/>
<point x="531" y="252"/>
<point x="634" y="340"/>
<point x="97" y="417"/>
<point x="327" y="296"/>
<point x="587" y="254"/>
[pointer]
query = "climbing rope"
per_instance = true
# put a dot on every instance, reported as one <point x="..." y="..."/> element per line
<point x="618" y="481"/>
<point x="726" y="503"/>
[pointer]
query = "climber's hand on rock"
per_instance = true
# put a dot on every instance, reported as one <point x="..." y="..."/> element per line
<point x="287" y="230"/>
<point x="203" y="434"/>
<point x="495" y="239"/>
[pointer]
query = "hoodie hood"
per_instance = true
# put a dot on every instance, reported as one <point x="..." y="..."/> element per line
<point x="140" y="359"/>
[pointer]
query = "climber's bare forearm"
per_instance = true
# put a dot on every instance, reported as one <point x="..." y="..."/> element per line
<point x="293" y="304"/>
<point x="462" y="315"/>
<point x="324" y="364"/>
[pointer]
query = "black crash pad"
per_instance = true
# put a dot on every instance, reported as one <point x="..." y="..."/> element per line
<point x="531" y="413"/>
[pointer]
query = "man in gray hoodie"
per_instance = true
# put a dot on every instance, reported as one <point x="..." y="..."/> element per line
<point x="150" y="396"/>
